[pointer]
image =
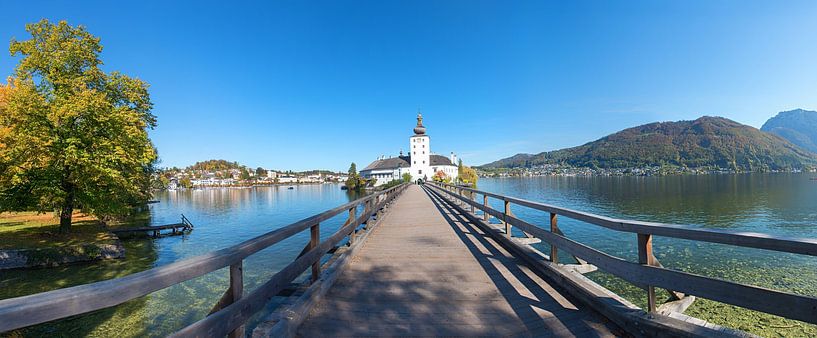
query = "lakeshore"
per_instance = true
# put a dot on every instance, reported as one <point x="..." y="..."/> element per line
<point x="566" y="170"/>
<point x="777" y="204"/>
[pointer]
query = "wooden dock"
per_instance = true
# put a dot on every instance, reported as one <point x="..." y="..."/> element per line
<point x="427" y="271"/>
<point x="155" y="231"/>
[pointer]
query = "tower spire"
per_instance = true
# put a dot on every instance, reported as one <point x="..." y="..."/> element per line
<point x="419" y="129"/>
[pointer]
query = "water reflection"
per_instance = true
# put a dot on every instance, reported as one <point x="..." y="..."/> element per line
<point x="776" y="204"/>
<point x="222" y="217"/>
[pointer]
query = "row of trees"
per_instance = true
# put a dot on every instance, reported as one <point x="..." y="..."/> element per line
<point x="465" y="175"/>
<point x="71" y="135"/>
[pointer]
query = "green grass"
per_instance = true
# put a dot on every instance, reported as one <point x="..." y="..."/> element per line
<point x="30" y="230"/>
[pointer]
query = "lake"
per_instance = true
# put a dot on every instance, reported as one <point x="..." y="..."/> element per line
<point x="779" y="204"/>
<point x="222" y="217"/>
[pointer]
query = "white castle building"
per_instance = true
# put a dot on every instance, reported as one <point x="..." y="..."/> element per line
<point x="420" y="162"/>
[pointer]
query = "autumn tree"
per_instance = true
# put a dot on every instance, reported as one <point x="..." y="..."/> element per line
<point x="468" y="176"/>
<point x="72" y="135"/>
<point x="440" y="176"/>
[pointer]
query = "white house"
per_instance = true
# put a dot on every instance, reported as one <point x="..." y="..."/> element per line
<point x="420" y="162"/>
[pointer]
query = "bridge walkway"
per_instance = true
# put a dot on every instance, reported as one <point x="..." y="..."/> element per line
<point x="427" y="271"/>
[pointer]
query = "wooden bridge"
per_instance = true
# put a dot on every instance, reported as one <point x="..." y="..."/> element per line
<point x="427" y="261"/>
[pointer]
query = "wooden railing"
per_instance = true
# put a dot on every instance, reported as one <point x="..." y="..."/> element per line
<point x="648" y="273"/>
<point x="234" y="308"/>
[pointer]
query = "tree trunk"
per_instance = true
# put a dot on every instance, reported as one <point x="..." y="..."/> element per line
<point x="67" y="208"/>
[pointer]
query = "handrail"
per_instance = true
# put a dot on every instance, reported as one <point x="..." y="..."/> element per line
<point x="804" y="246"/>
<point x="647" y="273"/>
<point x="57" y="304"/>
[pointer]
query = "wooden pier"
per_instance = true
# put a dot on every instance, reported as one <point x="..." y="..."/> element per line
<point x="428" y="271"/>
<point x="155" y="231"/>
<point x="438" y="260"/>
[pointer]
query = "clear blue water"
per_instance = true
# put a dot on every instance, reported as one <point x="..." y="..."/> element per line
<point x="778" y="204"/>
<point x="222" y="217"/>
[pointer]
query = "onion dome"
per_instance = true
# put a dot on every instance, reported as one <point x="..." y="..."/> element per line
<point x="419" y="129"/>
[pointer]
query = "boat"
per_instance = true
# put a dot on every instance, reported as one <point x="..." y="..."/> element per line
<point x="290" y="188"/>
<point x="343" y="187"/>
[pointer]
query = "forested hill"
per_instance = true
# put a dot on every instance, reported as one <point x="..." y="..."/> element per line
<point x="798" y="126"/>
<point x="215" y="165"/>
<point x="705" y="142"/>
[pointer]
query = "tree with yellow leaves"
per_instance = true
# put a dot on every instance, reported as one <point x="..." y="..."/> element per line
<point x="72" y="135"/>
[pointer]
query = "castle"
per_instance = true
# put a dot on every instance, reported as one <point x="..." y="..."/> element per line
<point x="420" y="162"/>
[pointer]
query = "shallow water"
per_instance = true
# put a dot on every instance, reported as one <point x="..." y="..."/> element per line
<point x="779" y="204"/>
<point x="222" y="217"/>
<point x="776" y="204"/>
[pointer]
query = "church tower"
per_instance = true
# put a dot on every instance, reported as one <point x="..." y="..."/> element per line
<point x="420" y="152"/>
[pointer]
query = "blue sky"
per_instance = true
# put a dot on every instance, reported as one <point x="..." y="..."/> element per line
<point x="312" y="84"/>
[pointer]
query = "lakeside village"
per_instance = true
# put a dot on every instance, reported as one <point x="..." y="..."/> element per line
<point x="568" y="170"/>
<point x="418" y="165"/>
<point x="238" y="176"/>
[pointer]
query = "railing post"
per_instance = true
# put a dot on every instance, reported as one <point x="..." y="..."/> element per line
<point x="505" y="219"/>
<point x="237" y="290"/>
<point x="314" y="240"/>
<point x="646" y="257"/>
<point x="485" y="214"/>
<point x="352" y="217"/>
<point x="554" y="229"/>
<point x="473" y="198"/>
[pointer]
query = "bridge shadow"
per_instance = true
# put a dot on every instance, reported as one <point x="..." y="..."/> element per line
<point x="522" y="288"/>
<point x="413" y="277"/>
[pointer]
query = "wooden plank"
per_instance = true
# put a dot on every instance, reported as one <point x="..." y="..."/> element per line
<point x="646" y="257"/>
<point x="237" y="291"/>
<point x="554" y="228"/>
<point x="789" y="305"/>
<point x="234" y="315"/>
<point x="293" y="316"/>
<point x="314" y="239"/>
<point x="676" y="306"/>
<point x="805" y="246"/>
<point x="485" y="216"/>
<point x="452" y="295"/>
<point x="47" y="306"/>
<point x="505" y="221"/>
<point x="150" y="228"/>
<point x="617" y="309"/>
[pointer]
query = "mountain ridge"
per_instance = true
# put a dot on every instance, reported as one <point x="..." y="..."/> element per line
<point x="708" y="141"/>
<point x="798" y="126"/>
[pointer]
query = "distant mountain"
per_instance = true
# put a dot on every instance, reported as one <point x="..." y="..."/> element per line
<point x="798" y="126"/>
<point x="705" y="142"/>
